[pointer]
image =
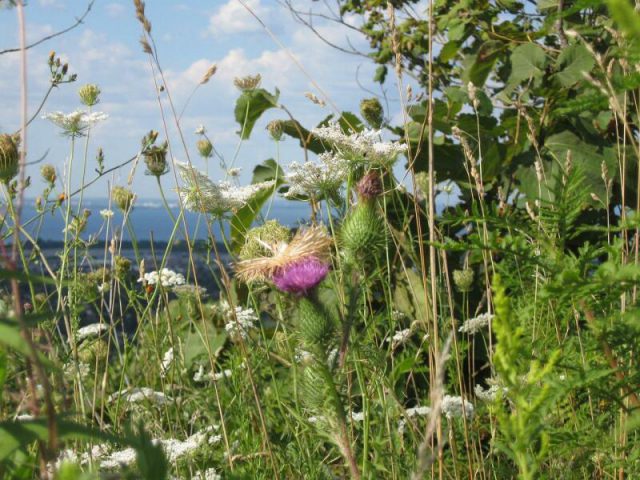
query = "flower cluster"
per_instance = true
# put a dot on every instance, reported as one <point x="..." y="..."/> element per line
<point x="362" y="146"/>
<point x="135" y="395"/>
<point x="455" y="407"/>
<point x="400" y="337"/>
<point x="200" y="194"/>
<point x="239" y="320"/>
<point x="167" y="278"/>
<point x="75" y="123"/>
<point x="489" y="394"/>
<point x="317" y="179"/>
<point x="93" y="330"/>
<point x="474" y="325"/>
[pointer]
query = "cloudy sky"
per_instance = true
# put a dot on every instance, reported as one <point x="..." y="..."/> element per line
<point x="190" y="36"/>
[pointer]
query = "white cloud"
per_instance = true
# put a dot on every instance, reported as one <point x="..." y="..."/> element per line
<point x="233" y="17"/>
<point x="115" y="10"/>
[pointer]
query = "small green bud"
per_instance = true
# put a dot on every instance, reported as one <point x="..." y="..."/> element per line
<point x="9" y="157"/>
<point x="122" y="197"/>
<point x="89" y="95"/>
<point x="48" y="173"/>
<point x="463" y="279"/>
<point x="276" y="129"/>
<point x="316" y="327"/>
<point x="205" y="148"/>
<point x="257" y="239"/>
<point x="372" y="112"/>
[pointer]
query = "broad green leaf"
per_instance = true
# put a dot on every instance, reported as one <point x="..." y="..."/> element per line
<point x="572" y="63"/>
<point x="195" y="346"/>
<point x="527" y="61"/>
<point x="294" y="129"/>
<point x="251" y="104"/>
<point x="480" y="65"/>
<point x="244" y="217"/>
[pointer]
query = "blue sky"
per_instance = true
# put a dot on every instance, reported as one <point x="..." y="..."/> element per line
<point x="190" y="36"/>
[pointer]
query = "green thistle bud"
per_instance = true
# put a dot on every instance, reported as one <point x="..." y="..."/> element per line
<point x="463" y="279"/>
<point x="48" y="173"/>
<point x="370" y="186"/>
<point x="205" y="148"/>
<point x="89" y="95"/>
<point x="9" y="157"/>
<point x="372" y="112"/>
<point x="122" y="197"/>
<point x="276" y="129"/>
<point x="316" y="327"/>
<point x="155" y="157"/>
<point x="363" y="233"/>
<point x="257" y="239"/>
<point x="90" y="352"/>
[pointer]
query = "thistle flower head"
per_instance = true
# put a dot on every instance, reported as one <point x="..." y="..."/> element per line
<point x="9" y="157"/>
<point x="301" y="276"/>
<point x="312" y="242"/>
<point x="370" y="186"/>
<point x="76" y="123"/>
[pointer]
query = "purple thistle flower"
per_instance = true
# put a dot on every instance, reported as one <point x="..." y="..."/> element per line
<point x="301" y="276"/>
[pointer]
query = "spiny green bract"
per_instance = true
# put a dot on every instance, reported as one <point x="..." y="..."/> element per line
<point x="270" y="233"/>
<point x="363" y="233"/>
<point x="316" y="327"/>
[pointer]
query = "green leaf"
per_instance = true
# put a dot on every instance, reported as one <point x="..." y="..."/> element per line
<point x="195" y="346"/>
<point x="572" y="63"/>
<point x="480" y="65"/>
<point x="244" y="217"/>
<point x="294" y="129"/>
<point x="250" y="106"/>
<point x="381" y="74"/>
<point x="3" y="371"/>
<point x="527" y="61"/>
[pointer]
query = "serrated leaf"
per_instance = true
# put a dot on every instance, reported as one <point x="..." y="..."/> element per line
<point x="251" y="104"/>
<point x="572" y="64"/>
<point x="527" y="61"/>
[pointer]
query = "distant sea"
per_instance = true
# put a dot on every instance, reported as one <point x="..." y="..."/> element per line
<point x="149" y="221"/>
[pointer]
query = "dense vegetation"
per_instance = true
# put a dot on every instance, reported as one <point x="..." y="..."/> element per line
<point x="494" y="337"/>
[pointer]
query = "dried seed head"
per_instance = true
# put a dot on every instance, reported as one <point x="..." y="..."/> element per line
<point x="155" y="157"/>
<point x="250" y="82"/>
<point x="122" y="197"/>
<point x="48" y="173"/>
<point x="9" y="157"/>
<point x="210" y="73"/>
<point x="315" y="99"/>
<point x="275" y="128"/>
<point x="372" y="112"/>
<point x="89" y="95"/>
<point x="205" y="148"/>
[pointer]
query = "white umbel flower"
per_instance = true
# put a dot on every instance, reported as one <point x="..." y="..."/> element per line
<point x="208" y="474"/>
<point x="92" y="330"/>
<point x="167" y="360"/>
<point x="167" y="278"/>
<point x="317" y="178"/>
<point x="200" y="194"/>
<point x="400" y="337"/>
<point x="357" y="416"/>
<point x="455" y="407"/>
<point x="75" y="123"/>
<point x="474" y="325"/>
<point x="239" y="321"/>
<point x="418" y="411"/>
<point x="135" y="395"/>
<point x="106" y="213"/>
<point x="361" y="147"/>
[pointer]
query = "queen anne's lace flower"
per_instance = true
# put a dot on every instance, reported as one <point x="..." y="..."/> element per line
<point x="240" y="321"/>
<point x="92" y="330"/>
<point x="362" y="146"/>
<point x="474" y="325"/>
<point x="75" y="123"/>
<point x="135" y="395"/>
<point x="488" y="395"/>
<point x="400" y="337"/>
<point x="418" y="411"/>
<point x="455" y="407"/>
<point x="314" y="179"/>
<point x="200" y="194"/>
<point x="167" y="278"/>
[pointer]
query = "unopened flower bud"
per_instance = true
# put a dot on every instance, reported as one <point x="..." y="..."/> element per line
<point x="370" y="186"/>
<point x="372" y="112"/>
<point x="52" y="56"/>
<point x="463" y="279"/>
<point x="65" y="69"/>
<point x="155" y="158"/>
<point x="48" y="173"/>
<point x="205" y="148"/>
<point x="89" y="95"/>
<point x="9" y="157"/>
<point x="275" y="128"/>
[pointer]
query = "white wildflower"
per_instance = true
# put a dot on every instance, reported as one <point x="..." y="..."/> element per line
<point x="93" y="330"/>
<point x="167" y="360"/>
<point x="362" y="146"/>
<point x="474" y="325"/>
<point x="239" y="320"/>
<point x="418" y="411"/>
<point x="220" y="375"/>
<point x="303" y="356"/>
<point x="167" y="278"/>
<point x="453" y="407"/>
<point x="200" y="194"/>
<point x="135" y="395"/>
<point x="106" y="213"/>
<point x="199" y="376"/>
<point x="234" y="172"/>
<point x="314" y="179"/>
<point x="315" y="419"/>
<point x="489" y="394"/>
<point x="75" y="123"/>
<point x="400" y="338"/>
<point x="208" y="474"/>
<point x="332" y="356"/>
<point x="119" y="459"/>
<point x="401" y="426"/>
<point x="357" y="416"/>
<point x="200" y="130"/>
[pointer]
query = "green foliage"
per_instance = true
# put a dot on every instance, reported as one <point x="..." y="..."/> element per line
<point x="250" y="106"/>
